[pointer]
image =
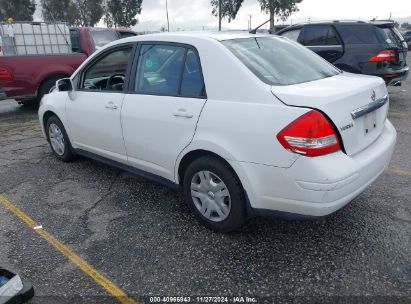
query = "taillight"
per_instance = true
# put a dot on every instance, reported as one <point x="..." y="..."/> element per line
<point x="310" y="134"/>
<point x="5" y="75"/>
<point x="386" y="55"/>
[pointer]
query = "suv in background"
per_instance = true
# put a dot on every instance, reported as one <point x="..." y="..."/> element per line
<point x="372" y="48"/>
<point x="407" y="37"/>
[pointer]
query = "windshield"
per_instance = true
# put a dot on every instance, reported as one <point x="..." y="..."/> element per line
<point x="279" y="61"/>
<point x="101" y="38"/>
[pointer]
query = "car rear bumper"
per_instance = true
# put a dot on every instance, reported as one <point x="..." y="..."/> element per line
<point x="396" y="77"/>
<point x="391" y="74"/>
<point x="316" y="186"/>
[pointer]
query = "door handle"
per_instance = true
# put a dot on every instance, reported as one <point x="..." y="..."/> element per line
<point x="111" y="105"/>
<point x="182" y="113"/>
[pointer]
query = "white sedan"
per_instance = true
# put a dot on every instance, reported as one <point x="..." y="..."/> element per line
<point x="245" y="124"/>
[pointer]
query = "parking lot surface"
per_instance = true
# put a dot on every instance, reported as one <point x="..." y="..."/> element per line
<point x="142" y="237"/>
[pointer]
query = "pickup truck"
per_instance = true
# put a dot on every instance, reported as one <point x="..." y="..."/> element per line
<point x="27" y="78"/>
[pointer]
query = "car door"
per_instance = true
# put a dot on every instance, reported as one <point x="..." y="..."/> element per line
<point x="324" y="40"/>
<point x="160" y="115"/>
<point x="94" y="108"/>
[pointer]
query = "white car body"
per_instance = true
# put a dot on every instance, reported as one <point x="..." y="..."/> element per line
<point x="238" y="121"/>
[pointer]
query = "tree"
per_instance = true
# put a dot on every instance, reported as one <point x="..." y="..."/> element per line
<point x="63" y="10"/>
<point x="107" y="18"/>
<point x="89" y="11"/>
<point x="281" y="9"/>
<point x="225" y="9"/>
<point x="19" y="10"/>
<point x="123" y="12"/>
<point x="74" y="12"/>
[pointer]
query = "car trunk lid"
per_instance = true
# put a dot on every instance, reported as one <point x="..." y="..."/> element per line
<point x="356" y="104"/>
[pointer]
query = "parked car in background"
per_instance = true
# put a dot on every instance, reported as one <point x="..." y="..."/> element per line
<point x="125" y="32"/>
<point x="407" y="38"/>
<point x="27" y="77"/>
<point x="372" y="48"/>
<point x="245" y="124"/>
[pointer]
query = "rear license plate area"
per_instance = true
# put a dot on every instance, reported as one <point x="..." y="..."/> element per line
<point x="370" y="122"/>
<point x="401" y="57"/>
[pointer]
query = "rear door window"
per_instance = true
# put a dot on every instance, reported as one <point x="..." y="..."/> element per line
<point x="332" y="37"/>
<point x="169" y="70"/>
<point x="317" y="35"/>
<point x="192" y="83"/>
<point x="159" y="68"/>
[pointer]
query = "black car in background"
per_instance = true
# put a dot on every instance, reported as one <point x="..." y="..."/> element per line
<point x="372" y="48"/>
<point x="407" y="37"/>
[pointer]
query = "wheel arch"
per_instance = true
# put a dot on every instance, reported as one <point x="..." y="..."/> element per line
<point x="190" y="156"/>
<point x="45" y="118"/>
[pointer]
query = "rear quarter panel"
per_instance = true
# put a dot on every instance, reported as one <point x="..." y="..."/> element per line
<point x="241" y="117"/>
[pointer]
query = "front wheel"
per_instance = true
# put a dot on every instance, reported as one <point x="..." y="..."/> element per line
<point x="58" y="139"/>
<point x="215" y="194"/>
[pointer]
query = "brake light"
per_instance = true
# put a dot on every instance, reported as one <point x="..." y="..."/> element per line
<point x="310" y="134"/>
<point x="386" y="55"/>
<point x="5" y="75"/>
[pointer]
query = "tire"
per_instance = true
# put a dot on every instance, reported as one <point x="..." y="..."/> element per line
<point x="58" y="139"/>
<point x="29" y="102"/>
<point x="46" y="86"/>
<point x="208" y="197"/>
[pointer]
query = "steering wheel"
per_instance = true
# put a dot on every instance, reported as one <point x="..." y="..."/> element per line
<point x="110" y="81"/>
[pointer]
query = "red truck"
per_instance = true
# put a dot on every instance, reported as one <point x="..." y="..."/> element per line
<point x="27" y="78"/>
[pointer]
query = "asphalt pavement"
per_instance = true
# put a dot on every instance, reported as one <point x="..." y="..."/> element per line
<point x="142" y="237"/>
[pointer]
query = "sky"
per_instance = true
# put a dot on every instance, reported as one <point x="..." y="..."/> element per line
<point x="196" y="14"/>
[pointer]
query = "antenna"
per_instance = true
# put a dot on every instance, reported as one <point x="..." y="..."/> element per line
<point x="168" y="22"/>
<point x="254" y="31"/>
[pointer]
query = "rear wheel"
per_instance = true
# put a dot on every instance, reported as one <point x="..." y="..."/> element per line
<point x="214" y="194"/>
<point x="58" y="139"/>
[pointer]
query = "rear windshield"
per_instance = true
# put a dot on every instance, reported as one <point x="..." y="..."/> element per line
<point x="391" y="36"/>
<point x="101" y="38"/>
<point x="279" y="61"/>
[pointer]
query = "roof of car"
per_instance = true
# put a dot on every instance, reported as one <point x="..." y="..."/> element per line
<point x="346" y="22"/>
<point x="199" y="35"/>
<point x="220" y="36"/>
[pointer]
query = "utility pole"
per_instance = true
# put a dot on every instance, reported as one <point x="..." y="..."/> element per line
<point x="168" y="22"/>
<point x="219" y="15"/>
<point x="250" y="27"/>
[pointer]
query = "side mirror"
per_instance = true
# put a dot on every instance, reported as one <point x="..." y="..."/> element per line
<point x="64" y="85"/>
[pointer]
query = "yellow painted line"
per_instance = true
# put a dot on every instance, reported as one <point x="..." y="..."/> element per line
<point x="100" y="279"/>
<point x="398" y="171"/>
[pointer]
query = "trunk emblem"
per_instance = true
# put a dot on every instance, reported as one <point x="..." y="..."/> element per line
<point x="346" y="127"/>
<point x="373" y="96"/>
